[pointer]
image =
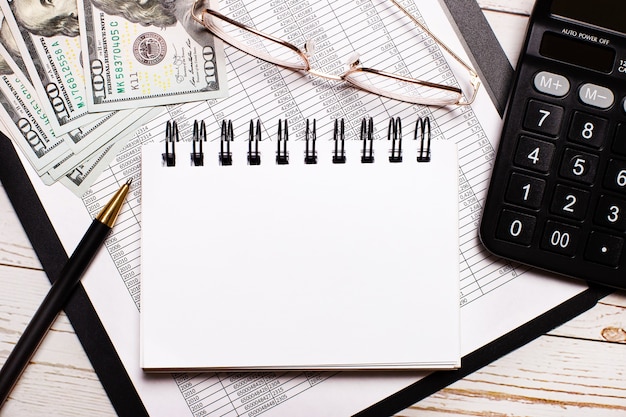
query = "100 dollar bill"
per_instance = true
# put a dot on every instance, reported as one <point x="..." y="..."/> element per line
<point x="135" y="58"/>
<point x="27" y="123"/>
<point x="83" y="140"/>
<point x="29" y="126"/>
<point x="50" y="48"/>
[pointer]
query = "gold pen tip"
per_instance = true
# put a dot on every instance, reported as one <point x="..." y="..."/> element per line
<point x="108" y="215"/>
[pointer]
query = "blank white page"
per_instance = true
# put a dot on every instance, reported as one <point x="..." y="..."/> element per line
<point x="327" y="266"/>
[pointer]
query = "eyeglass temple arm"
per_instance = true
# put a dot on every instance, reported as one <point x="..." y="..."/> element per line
<point x="474" y="79"/>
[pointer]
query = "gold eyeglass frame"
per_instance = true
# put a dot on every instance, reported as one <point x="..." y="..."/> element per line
<point x="354" y="67"/>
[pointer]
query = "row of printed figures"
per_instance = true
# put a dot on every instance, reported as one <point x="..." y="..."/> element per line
<point x="394" y="135"/>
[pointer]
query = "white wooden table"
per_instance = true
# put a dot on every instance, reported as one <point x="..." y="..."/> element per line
<point x="579" y="369"/>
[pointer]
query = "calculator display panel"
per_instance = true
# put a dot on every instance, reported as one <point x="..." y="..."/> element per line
<point x="577" y="52"/>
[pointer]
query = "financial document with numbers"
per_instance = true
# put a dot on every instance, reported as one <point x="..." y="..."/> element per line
<point x="386" y="40"/>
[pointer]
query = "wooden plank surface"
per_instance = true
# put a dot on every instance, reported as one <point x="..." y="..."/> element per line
<point x="579" y="369"/>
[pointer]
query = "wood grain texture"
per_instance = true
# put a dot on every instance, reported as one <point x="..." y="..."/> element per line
<point x="604" y="323"/>
<point x="552" y="376"/>
<point x="575" y="370"/>
<point x="520" y="7"/>
<point x="15" y="249"/>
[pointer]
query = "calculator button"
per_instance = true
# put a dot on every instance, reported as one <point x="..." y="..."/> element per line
<point x="525" y="190"/>
<point x="570" y="202"/>
<point x="615" y="177"/>
<point x="619" y="141"/>
<point x="543" y="118"/>
<point x="551" y="84"/>
<point x="579" y="166"/>
<point x="588" y="130"/>
<point x="560" y="238"/>
<point x="611" y="212"/>
<point x="596" y="96"/>
<point x="516" y="227"/>
<point x="604" y="249"/>
<point x="534" y="154"/>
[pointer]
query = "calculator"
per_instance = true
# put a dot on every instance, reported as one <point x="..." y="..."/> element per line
<point x="557" y="195"/>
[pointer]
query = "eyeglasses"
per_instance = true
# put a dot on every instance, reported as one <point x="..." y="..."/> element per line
<point x="284" y="54"/>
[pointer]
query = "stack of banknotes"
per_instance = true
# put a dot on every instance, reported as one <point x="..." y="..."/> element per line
<point x="78" y="77"/>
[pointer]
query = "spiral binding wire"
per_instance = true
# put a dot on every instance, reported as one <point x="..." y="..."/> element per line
<point x="394" y="135"/>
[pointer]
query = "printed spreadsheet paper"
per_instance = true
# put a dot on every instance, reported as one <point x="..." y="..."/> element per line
<point x="322" y="266"/>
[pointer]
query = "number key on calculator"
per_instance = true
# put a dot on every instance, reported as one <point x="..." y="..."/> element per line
<point x="557" y="197"/>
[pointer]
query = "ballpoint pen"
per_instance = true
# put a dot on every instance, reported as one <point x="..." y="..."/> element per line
<point x="60" y="292"/>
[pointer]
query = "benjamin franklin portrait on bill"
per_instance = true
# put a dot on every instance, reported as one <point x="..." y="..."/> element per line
<point x="47" y="18"/>
<point x="8" y="41"/>
<point x="158" y="13"/>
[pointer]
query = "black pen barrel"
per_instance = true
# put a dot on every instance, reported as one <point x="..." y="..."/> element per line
<point x="53" y="303"/>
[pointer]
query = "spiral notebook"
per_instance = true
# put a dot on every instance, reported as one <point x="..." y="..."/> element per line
<point x="313" y="253"/>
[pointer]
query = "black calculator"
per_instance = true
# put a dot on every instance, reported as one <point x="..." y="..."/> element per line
<point x="557" y="196"/>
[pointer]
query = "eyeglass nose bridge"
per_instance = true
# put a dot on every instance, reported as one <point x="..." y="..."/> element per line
<point x="326" y="76"/>
<point x="353" y="66"/>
